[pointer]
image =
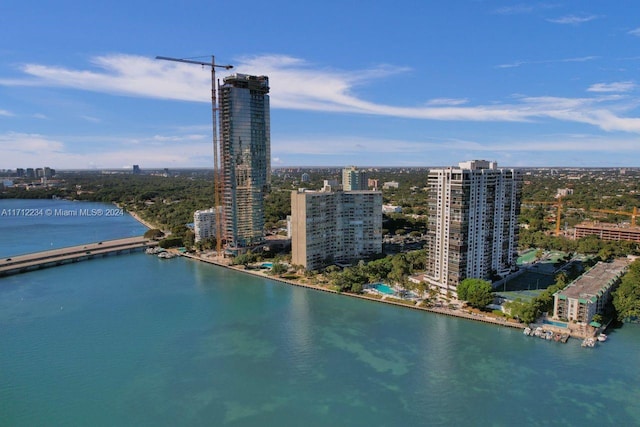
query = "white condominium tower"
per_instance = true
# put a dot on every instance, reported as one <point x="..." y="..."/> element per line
<point x="334" y="226"/>
<point x="473" y="222"/>
<point x="245" y="158"/>
<point x="204" y="224"/>
<point x="354" y="179"/>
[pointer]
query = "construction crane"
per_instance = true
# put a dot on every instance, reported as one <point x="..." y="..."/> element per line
<point x="216" y="166"/>
<point x="557" y="203"/>
<point x="633" y="214"/>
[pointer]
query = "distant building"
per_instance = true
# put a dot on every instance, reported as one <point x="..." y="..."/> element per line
<point x="354" y="179"/>
<point x="334" y="226"/>
<point x="204" y="224"/>
<point x="245" y="159"/>
<point x="472" y="223"/>
<point x="607" y="231"/>
<point x="19" y="172"/>
<point x="564" y="192"/>
<point x="588" y="295"/>
<point x="391" y="209"/>
<point x="136" y="170"/>
<point x="390" y="184"/>
<point x="305" y="177"/>
<point x="373" y="183"/>
<point x="331" y="185"/>
<point x="31" y="173"/>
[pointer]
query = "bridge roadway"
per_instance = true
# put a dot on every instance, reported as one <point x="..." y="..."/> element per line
<point x="35" y="261"/>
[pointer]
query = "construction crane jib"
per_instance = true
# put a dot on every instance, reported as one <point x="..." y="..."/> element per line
<point x="216" y="163"/>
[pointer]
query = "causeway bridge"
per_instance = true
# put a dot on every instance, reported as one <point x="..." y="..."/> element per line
<point x="52" y="258"/>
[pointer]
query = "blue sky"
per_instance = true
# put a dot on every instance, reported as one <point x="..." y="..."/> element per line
<point x="404" y="83"/>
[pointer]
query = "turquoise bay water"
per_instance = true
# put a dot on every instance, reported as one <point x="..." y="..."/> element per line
<point x="136" y="340"/>
<point x="42" y="230"/>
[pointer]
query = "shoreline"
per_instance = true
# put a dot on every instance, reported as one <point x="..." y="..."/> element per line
<point x="476" y="317"/>
<point x="140" y="220"/>
<point x="418" y="306"/>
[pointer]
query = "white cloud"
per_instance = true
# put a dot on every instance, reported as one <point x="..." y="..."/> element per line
<point x="612" y="87"/>
<point x="91" y="119"/>
<point x="297" y="85"/>
<point x="573" y="19"/>
<point x="20" y="150"/>
<point x="28" y="143"/>
<point x="635" y="32"/>
<point x="523" y="8"/>
<point x="329" y="145"/>
<point x="6" y="113"/>
<point x="447" y="101"/>
<point x="547" y="61"/>
<point x="514" y="10"/>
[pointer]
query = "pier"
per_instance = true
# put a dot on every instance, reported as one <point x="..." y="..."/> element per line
<point x="55" y="257"/>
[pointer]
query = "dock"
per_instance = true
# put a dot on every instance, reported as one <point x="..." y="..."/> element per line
<point x="55" y="257"/>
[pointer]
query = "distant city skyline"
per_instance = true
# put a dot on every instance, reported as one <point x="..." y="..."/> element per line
<point x="419" y="84"/>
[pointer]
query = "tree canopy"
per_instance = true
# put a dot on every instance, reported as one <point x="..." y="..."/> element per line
<point x="477" y="292"/>
<point x="626" y="299"/>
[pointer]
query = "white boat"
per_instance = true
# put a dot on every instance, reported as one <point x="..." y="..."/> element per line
<point x="166" y="255"/>
<point x="589" y="342"/>
<point x="527" y="331"/>
<point x="602" y="337"/>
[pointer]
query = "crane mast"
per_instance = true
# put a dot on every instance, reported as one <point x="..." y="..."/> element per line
<point x="216" y="163"/>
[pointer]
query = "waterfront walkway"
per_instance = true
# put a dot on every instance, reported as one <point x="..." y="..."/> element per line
<point x="38" y="260"/>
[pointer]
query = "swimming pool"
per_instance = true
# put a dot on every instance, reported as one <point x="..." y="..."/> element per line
<point x="554" y="323"/>
<point x="267" y="265"/>
<point x="381" y="287"/>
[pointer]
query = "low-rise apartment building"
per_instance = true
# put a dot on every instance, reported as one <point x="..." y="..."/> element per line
<point x="589" y="293"/>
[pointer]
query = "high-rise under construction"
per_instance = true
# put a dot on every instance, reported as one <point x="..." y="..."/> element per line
<point x="245" y="159"/>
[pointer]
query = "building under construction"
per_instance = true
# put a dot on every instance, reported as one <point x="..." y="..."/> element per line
<point x="245" y="159"/>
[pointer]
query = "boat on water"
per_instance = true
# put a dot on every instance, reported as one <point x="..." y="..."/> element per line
<point x="602" y="337"/>
<point x="589" y="342"/>
<point x="527" y="331"/>
<point x="166" y="255"/>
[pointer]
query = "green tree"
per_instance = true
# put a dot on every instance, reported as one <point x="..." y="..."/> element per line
<point x="477" y="292"/>
<point x="278" y="268"/>
<point x="170" y="242"/>
<point x="153" y="233"/>
<point x="245" y="259"/>
<point x="526" y="312"/>
<point x="626" y="299"/>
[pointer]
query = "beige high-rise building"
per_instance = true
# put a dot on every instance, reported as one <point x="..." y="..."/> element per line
<point x="354" y="179"/>
<point x="334" y="226"/>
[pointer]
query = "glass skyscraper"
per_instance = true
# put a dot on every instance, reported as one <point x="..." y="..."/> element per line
<point x="245" y="158"/>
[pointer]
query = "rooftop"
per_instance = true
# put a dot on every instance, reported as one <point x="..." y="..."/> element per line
<point x="598" y="278"/>
<point x="607" y="226"/>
